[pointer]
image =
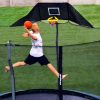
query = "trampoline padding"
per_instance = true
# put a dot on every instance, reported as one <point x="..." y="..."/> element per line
<point x="48" y="94"/>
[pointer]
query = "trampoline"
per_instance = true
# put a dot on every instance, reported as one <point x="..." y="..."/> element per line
<point x="49" y="94"/>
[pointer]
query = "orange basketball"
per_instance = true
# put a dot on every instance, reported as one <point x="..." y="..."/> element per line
<point x="28" y="24"/>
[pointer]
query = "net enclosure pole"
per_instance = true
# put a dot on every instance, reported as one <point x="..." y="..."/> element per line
<point x="59" y="65"/>
<point x="60" y="74"/>
<point x="9" y="45"/>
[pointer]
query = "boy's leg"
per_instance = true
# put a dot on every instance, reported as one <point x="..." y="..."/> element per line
<point x="17" y="64"/>
<point x="54" y="71"/>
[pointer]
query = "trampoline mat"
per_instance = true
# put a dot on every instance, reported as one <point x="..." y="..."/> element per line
<point x="45" y="96"/>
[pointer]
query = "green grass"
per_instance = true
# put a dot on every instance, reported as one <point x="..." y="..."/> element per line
<point x="68" y="35"/>
<point x="8" y="15"/>
<point x="81" y="62"/>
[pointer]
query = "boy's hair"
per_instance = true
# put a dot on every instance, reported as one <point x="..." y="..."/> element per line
<point x="35" y="27"/>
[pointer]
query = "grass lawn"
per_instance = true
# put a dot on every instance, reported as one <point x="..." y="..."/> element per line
<point x="81" y="62"/>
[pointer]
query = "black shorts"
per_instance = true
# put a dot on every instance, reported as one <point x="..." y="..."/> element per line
<point x="31" y="60"/>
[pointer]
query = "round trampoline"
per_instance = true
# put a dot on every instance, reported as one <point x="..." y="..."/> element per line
<point x="49" y="94"/>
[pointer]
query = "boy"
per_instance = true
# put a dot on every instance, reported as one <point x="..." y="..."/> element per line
<point x="36" y="52"/>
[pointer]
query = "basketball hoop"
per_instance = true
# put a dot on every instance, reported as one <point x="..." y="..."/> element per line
<point x="53" y="20"/>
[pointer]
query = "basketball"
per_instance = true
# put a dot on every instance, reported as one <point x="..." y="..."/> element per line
<point x="28" y="24"/>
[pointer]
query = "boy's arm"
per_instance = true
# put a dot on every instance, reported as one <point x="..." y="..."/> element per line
<point x="25" y="35"/>
<point x="29" y="34"/>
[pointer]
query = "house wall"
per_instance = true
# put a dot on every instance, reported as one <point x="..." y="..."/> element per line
<point x="33" y="2"/>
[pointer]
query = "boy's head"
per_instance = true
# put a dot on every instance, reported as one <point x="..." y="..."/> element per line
<point x="35" y="27"/>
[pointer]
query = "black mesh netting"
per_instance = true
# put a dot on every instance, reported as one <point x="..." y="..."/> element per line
<point x="81" y="62"/>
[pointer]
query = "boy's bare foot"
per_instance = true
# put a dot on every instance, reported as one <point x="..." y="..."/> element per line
<point x="63" y="76"/>
<point x="6" y="69"/>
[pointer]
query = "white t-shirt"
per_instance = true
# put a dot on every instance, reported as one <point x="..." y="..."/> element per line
<point x="36" y="50"/>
